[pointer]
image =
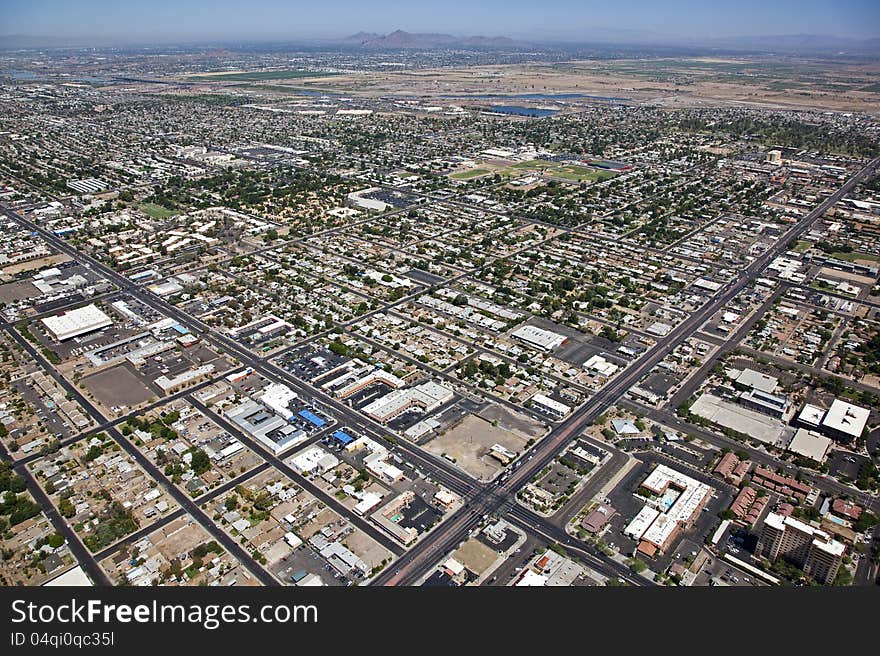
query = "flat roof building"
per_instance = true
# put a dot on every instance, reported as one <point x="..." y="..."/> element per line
<point x="808" y="547"/>
<point x="428" y="397"/>
<point x="277" y="397"/>
<point x="599" y="366"/>
<point x="313" y="459"/>
<point x="756" y="380"/>
<point x="811" y="416"/>
<point x="676" y="500"/>
<point x="73" y="323"/>
<point x="844" y="421"/>
<point x="772" y="405"/>
<point x="810" y="445"/>
<point x="550" y="406"/>
<point x="545" y="340"/>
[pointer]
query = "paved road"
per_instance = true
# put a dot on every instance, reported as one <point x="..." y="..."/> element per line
<point x="183" y="500"/>
<point x="547" y="449"/>
<point x="77" y="548"/>
<point x="286" y="469"/>
<point x="824" y="483"/>
<point x="486" y="499"/>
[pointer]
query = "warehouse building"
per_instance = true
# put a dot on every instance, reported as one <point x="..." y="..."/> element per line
<point x="265" y="426"/>
<point x="544" y="340"/>
<point x="74" y="323"/>
<point x="181" y="380"/>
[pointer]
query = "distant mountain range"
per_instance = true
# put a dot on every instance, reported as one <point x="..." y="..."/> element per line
<point x="801" y="44"/>
<point x="590" y="37"/>
<point x="401" y="39"/>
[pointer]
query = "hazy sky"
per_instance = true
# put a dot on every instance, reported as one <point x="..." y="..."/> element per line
<point x="165" y="20"/>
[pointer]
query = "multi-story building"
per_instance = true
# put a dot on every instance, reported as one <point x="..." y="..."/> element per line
<point x="808" y="547"/>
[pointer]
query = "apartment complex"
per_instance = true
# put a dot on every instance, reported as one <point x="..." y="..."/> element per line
<point x="809" y="548"/>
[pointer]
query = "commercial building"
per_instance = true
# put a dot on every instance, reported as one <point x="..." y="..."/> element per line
<point x="181" y="380"/>
<point x="599" y="366"/>
<point x="739" y="418"/>
<point x="597" y="520"/>
<point x="844" y="421"/>
<point x="811" y="416"/>
<point x="277" y="397"/>
<point x="810" y="445"/>
<point x="501" y="453"/>
<point x="367" y="501"/>
<point x="751" y="379"/>
<point x="73" y="323"/>
<point x="360" y="199"/>
<point x="389" y="516"/>
<point x="427" y="397"/>
<point x="550" y="406"/>
<point x="265" y="426"/>
<point x="376" y="462"/>
<point x="772" y="405"/>
<point x="359" y="378"/>
<point x="808" y="547"/>
<point x="544" y="340"/>
<point x="314" y="459"/>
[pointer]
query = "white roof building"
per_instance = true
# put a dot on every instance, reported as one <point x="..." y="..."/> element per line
<point x="313" y="459"/>
<point x="531" y="578"/>
<point x="368" y="501"/>
<point x="550" y="406"/>
<point x="756" y="380"/>
<point x="809" y="444"/>
<point x="640" y="523"/>
<point x="74" y="323"/>
<point x="545" y="340"/>
<point x="599" y="365"/>
<point x="427" y="396"/>
<point x="811" y="415"/>
<point x="845" y="419"/>
<point x="659" y="526"/>
<point x="277" y="396"/>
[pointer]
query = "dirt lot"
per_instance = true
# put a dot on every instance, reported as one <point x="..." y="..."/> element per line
<point x="32" y="265"/>
<point x="370" y="551"/>
<point x="178" y="536"/>
<point x="117" y="386"/>
<point x="675" y="82"/>
<point x="468" y="443"/>
<point x="476" y="556"/>
<point x="321" y="520"/>
<point x="513" y="421"/>
<point x="15" y="291"/>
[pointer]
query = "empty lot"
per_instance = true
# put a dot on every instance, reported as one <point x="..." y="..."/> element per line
<point x="468" y="442"/>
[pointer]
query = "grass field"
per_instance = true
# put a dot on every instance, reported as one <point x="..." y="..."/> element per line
<point x="801" y="246"/>
<point x="255" y="76"/>
<point x="852" y="257"/>
<point x="571" y="172"/>
<point x="467" y="175"/>
<point x="156" y="211"/>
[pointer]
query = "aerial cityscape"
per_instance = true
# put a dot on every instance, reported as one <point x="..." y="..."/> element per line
<point x="408" y="303"/>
